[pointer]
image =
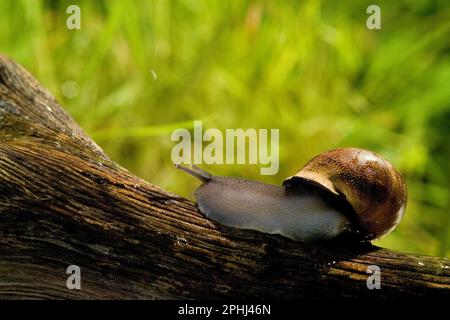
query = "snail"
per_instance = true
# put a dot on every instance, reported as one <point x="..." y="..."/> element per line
<point x="341" y="191"/>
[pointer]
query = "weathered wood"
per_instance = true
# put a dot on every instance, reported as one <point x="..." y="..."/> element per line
<point x="63" y="202"/>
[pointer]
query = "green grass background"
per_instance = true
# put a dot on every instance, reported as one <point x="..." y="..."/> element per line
<point x="310" y="68"/>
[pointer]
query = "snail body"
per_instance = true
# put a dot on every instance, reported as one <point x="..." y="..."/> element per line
<point x="345" y="190"/>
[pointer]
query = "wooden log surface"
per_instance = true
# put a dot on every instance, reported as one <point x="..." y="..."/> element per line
<point x="64" y="202"/>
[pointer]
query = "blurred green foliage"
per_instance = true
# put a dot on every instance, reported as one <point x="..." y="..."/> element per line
<point x="310" y="68"/>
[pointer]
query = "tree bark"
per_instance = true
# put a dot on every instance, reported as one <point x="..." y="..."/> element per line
<point x="64" y="202"/>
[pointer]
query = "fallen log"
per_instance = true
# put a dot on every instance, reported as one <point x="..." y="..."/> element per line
<point x="64" y="202"/>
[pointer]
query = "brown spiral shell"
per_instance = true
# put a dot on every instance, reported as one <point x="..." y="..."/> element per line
<point x="369" y="183"/>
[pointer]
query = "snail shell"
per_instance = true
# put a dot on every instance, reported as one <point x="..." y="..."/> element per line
<point x="367" y="182"/>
